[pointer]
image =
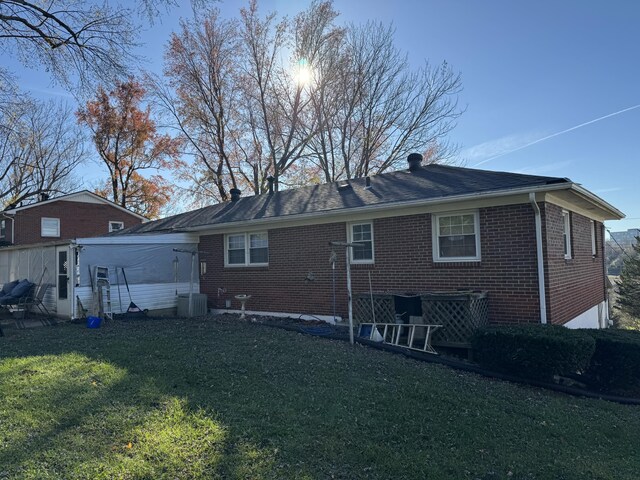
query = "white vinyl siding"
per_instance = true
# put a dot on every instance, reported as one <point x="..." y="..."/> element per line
<point x="456" y="237"/>
<point x="566" y="234"/>
<point x="50" y="227"/>
<point x="361" y="233"/>
<point x="247" y="249"/>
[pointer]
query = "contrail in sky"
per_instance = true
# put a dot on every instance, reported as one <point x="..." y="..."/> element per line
<point x="558" y="133"/>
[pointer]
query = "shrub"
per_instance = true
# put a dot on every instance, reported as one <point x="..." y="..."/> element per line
<point x="533" y="351"/>
<point x="616" y="361"/>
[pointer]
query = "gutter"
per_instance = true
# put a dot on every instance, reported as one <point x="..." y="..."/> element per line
<point x="540" y="257"/>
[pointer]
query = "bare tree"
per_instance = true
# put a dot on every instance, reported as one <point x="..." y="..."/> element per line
<point x="40" y="146"/>
<point x="202" y="68"/>
<point x="303" y="101"/>
<point x="82" y="38"/>
<point x="377" y="110"/>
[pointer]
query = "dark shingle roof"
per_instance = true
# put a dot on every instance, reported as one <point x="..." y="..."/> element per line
<point x="427" y="183"/>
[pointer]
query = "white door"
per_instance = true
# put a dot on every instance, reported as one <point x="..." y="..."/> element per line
<point x="63" y="295"/>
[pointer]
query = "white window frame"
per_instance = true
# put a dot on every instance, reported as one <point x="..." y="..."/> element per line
<point x="435" y="223"/>
<point x="247" y="250"/>
<point x="594" y="251"/>
<point x="112" y="222"/>
<point x="373" y="245"/>
<point x="43" y="220"/>
<point x="566" y="234"/>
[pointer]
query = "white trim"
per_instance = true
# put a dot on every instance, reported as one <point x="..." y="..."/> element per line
<point x="247" y="250"/>
<point x="435" y="218"/>
<point x="469" y="200"/>
<point x="594" y="251"/>
<point x="140" y="239"/>
<point x="566" y="234"/>
<point x="42" y="233"/>
<point x="112" y="222"/>
<point x="350" y="226"/>
<point x="76" y="197"/>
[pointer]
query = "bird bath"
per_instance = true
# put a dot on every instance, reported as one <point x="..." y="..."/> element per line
<point x="242" y="299"/>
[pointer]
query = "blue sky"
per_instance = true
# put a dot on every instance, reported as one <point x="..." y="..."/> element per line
<point x="530" y="71"/>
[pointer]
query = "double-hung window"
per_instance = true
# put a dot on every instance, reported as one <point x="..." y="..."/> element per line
<point x="3" y="229"/>
<point x="246" y="249"/>
<point x="50" y="227"/>
<point x="361" y="233"/>
<point x="566" y="234"/>
<point x="456" y="237"/>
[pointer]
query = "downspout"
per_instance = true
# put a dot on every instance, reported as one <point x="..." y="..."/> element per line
<point x="541" y="288"/>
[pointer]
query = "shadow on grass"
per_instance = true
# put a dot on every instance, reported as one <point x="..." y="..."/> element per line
<point x="209" y="399"/>
<point x="67" y="415"/>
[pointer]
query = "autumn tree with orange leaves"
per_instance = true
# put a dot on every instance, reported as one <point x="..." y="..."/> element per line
<point x="129" y="144"/>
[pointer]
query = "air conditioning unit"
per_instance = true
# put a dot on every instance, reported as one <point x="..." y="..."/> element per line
<point x="198" y="305"/>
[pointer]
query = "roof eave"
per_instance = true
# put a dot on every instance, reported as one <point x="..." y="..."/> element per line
<point x="376" y="208"/>
<point x="599" y="202"/>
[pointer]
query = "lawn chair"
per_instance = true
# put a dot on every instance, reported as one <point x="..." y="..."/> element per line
<point x="37" y="300"/>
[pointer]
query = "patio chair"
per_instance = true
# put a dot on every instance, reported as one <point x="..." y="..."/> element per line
<point x="20" y="297"/>
<point x="37" y="300"/>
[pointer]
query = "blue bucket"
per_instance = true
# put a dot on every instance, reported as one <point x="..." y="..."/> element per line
<point x="93" y="322"/>
<point x="365" y="331"/>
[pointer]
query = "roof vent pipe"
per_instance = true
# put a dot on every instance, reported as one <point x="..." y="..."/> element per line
<point x="415" y="161"/>
<point x="367" y="182"/>
<point x="235" y="194"/>
<point x="270" y="179"/>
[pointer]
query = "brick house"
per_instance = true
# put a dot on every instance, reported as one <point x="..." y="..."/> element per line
<point x="80" y="214"/>
<point x="535" y="244"/>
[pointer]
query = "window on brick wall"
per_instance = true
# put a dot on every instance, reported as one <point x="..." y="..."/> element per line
<point x="246" y="249"/>
<point x="50" y="227"/>
<point x="594" y="250"/>
<point x="566" y="234"/>
<point x="115" y="226"/>
<point x="361" y="233"/>
<point x="3" y="229"/>
<point x="456" y="237"/>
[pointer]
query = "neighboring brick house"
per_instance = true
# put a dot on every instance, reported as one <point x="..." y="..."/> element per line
<point x="80" y="214"/>
<point x="431" y="228"/>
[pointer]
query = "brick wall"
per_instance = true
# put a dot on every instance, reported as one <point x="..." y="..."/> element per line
<point x="76" y="220"/>
<point x="573" y="286"/>
<point x="403" y="262"/>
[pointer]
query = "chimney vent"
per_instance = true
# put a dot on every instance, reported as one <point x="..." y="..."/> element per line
<point x="44" y="196"/>
<point x="367" y="182"/>
<point x="235" y="194"/>
<point x="415" y="161"/>
<point x="270" y="179"/>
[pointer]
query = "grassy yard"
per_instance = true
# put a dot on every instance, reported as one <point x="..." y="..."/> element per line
<point x="181" y="399"/>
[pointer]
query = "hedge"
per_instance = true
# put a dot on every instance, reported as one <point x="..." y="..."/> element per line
<point x="616" y="361"/>
<point x="533" y="351"/>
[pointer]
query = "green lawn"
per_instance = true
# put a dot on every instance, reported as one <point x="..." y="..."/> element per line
<point x="188" y="399"/>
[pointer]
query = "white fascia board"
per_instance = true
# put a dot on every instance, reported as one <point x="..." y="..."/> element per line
<point x="77" y="197"/>
<point x="593" y="198"/>
<point x="140" y="239"/>
<point x="370" y="210"/>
